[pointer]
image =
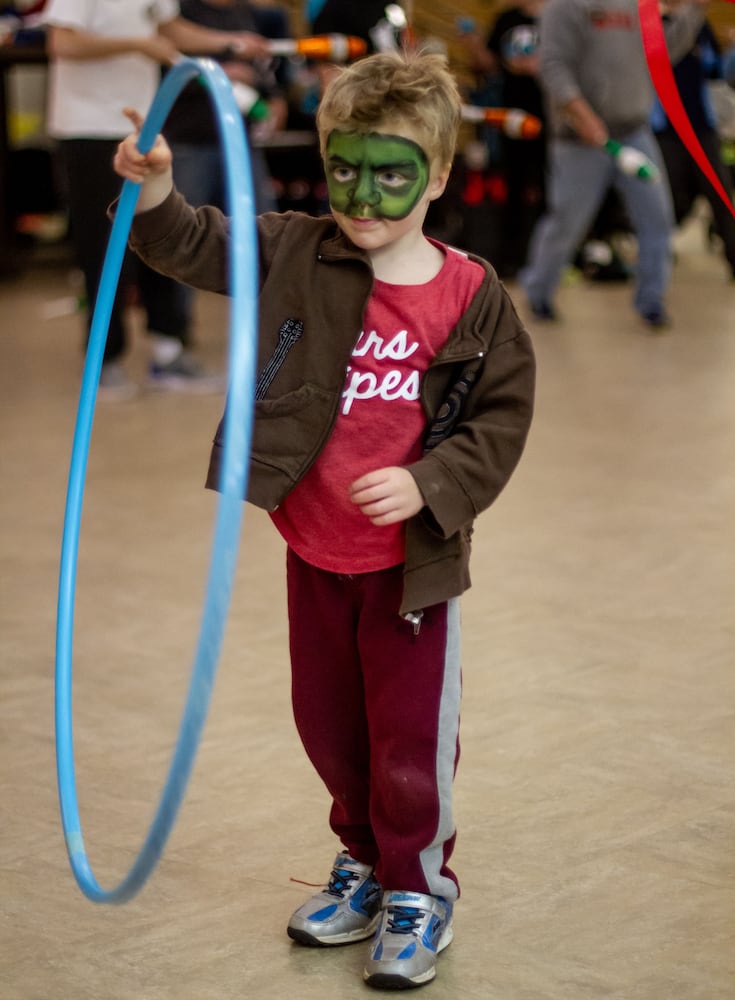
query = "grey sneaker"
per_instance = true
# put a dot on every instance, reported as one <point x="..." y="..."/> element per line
<point x="115" y="384"/>
<point x="184" y="374"/>
<point x="413" y="929"/>
<point x="346" y="911"/>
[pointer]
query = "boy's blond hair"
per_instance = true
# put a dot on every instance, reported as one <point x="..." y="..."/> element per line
<point x="392" y="88"/>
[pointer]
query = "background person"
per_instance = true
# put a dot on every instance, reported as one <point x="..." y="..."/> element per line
<point x="104" y="56"/>
<point x="596" y="81"/>
<point x="687" y="181"/>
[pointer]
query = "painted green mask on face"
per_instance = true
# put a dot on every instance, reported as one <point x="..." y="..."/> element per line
<point x="375" y="176"/>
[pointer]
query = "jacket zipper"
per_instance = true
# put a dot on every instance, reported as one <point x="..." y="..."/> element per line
<point x="414" y="618"/>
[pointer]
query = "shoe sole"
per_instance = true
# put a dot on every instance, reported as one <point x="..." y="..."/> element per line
<point x="393" y="981"/>
<point x="312" y="941"/>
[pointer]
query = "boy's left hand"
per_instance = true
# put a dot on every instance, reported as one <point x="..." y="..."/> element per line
<point x="387" y="495"/>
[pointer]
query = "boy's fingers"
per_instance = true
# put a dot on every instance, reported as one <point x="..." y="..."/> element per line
<point x="135" y="118"/>
<point x="374" y="478"/>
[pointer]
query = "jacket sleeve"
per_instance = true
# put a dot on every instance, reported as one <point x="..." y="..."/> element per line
<point x="465" y="473"/>
<point x="185" y="243"/>
<point x="192" y="244"/>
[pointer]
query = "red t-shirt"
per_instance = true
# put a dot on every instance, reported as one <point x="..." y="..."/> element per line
<point x="380" y="423"/>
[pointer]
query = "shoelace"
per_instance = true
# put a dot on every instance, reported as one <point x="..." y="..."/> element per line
<point x="404" y="919"/>
<point x="340" y="881"/>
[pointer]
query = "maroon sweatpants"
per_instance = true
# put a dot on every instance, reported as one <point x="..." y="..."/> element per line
<point x="377" y="709"/>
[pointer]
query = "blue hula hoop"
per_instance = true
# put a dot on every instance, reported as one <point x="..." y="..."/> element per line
<point x="238" y="423"/>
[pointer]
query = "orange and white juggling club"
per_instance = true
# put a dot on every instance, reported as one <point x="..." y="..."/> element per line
<point x="514" y="122"/>
<point x="334" y="48"/>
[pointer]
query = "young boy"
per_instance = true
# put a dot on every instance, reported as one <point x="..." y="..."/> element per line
<point x="393" y="404"/>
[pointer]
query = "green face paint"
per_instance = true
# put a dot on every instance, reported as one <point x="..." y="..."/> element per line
<point x="374" y="176"/>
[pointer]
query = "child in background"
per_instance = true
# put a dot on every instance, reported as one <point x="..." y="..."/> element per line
<point x="393" y="404"/>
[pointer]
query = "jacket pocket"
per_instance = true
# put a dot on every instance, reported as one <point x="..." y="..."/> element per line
<point x="290" y="430"/>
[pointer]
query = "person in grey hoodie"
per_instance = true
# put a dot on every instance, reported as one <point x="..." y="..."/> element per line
<point x="595" y="78"/>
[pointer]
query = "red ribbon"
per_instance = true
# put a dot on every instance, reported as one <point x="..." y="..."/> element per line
<point x="662" y="75"/>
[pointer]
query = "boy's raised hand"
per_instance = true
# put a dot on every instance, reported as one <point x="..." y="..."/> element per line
<point x="133" y="165"/>
<point x="387" y="495"/>
<point x="152" y="169"/>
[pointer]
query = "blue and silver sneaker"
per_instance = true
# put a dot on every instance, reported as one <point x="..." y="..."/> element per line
<point x="413" y="929"/>
<point x="346" y="911"/>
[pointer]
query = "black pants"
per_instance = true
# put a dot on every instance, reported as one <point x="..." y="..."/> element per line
<point x="90" y="184"/>
<point x="687" y="181"/>
<point x="524" y="166"/>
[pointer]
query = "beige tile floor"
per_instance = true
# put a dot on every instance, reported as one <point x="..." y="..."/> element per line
<point x="595" y="797"/>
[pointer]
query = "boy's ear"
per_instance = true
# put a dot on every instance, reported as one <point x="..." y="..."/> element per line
<point x="437" y="184"/>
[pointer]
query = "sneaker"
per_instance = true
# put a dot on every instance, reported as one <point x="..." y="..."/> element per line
<point x="413" y="929"/>
<point x="115" y="384"/>
<point x="543" y="311"/>
<point x="346" y="911"/>
<point x="657" y="319"/>
<point x="184" y="374"/>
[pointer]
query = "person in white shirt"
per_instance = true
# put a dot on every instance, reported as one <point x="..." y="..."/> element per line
<point x="105" y="55"/>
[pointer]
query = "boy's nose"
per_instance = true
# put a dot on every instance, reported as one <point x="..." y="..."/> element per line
<point x="365" y="192"/>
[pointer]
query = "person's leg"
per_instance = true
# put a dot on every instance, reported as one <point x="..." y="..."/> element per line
<point x="91" y="184"/>
<point x="651" y="213"/>
<point x="412" y="682"/>
<point x="377" y="709"/>
<point x="328" y="697"/>
<point x="380" y="722"/>
<point x="524" y="162"/>
<point x="412" y="692"/>
<point x="579" y="177"/>
<point x="682" y="179"/>
<point x="724" y="222"/>
<point x="329" y="710"/>
<point x="167" y="304"/>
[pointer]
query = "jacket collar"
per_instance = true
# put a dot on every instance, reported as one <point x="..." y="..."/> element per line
<point x="469" y="339"/>
<point x="336" y="246"/>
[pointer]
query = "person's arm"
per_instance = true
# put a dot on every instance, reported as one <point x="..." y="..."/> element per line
<point x="728" y="59"/>
<point x="482" y="60"/>
<point x="561" y="26"/>
<point x="561" y="38"/>
<point x="195" y="39"/>
<point x="682" y="27"/>
<point x="74" y="43"/>
<point x="464" y="473"/>
<point x="523" y="65"/>
<point x="585" y="121"/>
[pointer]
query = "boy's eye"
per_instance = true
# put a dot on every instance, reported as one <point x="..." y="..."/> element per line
<point x="344" y="175"/>
<point x="392" y="179"/>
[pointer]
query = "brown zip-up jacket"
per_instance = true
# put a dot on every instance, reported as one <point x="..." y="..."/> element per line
<point x="314" y="287"/>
